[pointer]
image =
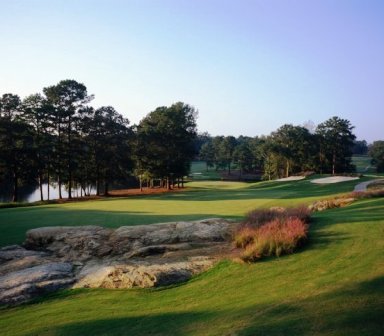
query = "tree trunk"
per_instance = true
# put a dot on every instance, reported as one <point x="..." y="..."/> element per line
<point x="15" y="197"/>
<point x="69" y="158"/>
<point x="287" y="169"/>
<point x="70" y="184"/>
<point x="182" y="182"/>
<point x="333" y="163"/>
<point x="59" y="181"/>
<point x="48" y="187"/>
<point x="106" y="193"/>
<point x="41" y="186"/>
<point x="97" y="181"/>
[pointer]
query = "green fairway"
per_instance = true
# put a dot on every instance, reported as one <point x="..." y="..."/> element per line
<point x="202" y="199"/>
<point x="333" y="286"/>
<point x="199" y="171"/>
<point x="363" y="164"/>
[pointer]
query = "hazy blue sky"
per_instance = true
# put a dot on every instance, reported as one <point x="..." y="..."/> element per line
<point x="247" y="66"/>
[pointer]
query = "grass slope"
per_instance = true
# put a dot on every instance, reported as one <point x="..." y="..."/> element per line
<point x="203" y="199"/>
<point x="334" y="286"/>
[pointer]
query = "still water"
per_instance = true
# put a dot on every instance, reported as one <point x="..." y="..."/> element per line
<point x="33" y="194"/>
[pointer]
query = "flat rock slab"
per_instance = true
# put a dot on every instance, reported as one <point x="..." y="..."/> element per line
<point x="155" y="255"/>
<point x="22" y="285"/>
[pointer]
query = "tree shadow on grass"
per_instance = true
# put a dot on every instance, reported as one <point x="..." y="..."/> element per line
<point x="369" y="210"/>
<point x="357" y="309"/>
<point x="270" y="190"/>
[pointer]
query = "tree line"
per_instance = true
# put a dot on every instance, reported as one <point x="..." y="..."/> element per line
<point x="57" y="137"/>
<point x="288" y="150"/>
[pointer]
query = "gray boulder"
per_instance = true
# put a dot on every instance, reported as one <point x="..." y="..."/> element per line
<point x="91" y="256"/>
<point x="22" y="285"/>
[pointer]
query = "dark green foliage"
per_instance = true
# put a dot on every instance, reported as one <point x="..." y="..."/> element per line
<point x="336" y="143"/>
<point x="68" y="100"/>
<point x="293" y="150"/>
<point x="17" y="152"/>
<point x="165" y="142"/>
<point x="58" y="138"/>
<point x="360" y="147"/>
<point x="108" y="140"/>
<point x="376" y="151"/>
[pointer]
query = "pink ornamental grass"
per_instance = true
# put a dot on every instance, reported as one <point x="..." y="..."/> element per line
<point x="278" y="237"/>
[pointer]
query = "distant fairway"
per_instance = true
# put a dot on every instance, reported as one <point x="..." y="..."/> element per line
<point x="363" y="164"/>
<point x="333" y="286"/>
<point x="200" y="200"/>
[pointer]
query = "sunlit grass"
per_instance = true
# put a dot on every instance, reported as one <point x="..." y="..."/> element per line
<point x="200" y="200"/>
<point x="334" y="286"/>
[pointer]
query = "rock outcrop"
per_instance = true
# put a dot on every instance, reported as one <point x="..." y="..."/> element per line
<point x="91" y="256"/>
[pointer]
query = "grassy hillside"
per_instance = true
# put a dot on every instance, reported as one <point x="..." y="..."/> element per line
<point x="333" y="286"/>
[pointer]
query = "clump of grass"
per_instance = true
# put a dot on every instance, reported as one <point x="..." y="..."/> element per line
<point x="370" y="193"/>
<point x="332" y="203"/>
<point x="276" y="231"/>
<point x="259" y="217"/>
<point x="281" y="236"/>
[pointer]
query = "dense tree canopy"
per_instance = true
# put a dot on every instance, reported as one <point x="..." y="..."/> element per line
<point x="376" y="151"/>
<point x="57" y="138"/>
<point x="165" y="142"/>
<point x="288" y="150"/>
<point x="336" y="143"/>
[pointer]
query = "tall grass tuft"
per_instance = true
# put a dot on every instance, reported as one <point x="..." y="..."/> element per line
<point x="272" y="232"/>
<point x="281" y="236"/>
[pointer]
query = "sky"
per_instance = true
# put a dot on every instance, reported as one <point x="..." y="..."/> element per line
<point x="247" y="66"/>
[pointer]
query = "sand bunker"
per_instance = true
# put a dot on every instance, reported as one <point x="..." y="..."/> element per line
<point x="334" y="179"/>
<point x="291" y="178"/>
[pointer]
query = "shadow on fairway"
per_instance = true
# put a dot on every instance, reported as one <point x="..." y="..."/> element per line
<point x="354" y="310"/>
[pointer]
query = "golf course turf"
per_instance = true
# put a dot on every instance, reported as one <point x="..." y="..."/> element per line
<point x="333" y="286"/>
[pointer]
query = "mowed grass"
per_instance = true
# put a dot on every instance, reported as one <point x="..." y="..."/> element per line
<point x="333" y="286"/>
<point x="199" y="171"/>
<point x="363" y="164"/>
<point x="202" y="199"/>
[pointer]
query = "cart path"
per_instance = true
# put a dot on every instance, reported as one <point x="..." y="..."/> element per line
<point x="363" y="185"/>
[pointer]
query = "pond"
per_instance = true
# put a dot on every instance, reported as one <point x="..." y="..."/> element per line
<point x="32" y="193"/>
